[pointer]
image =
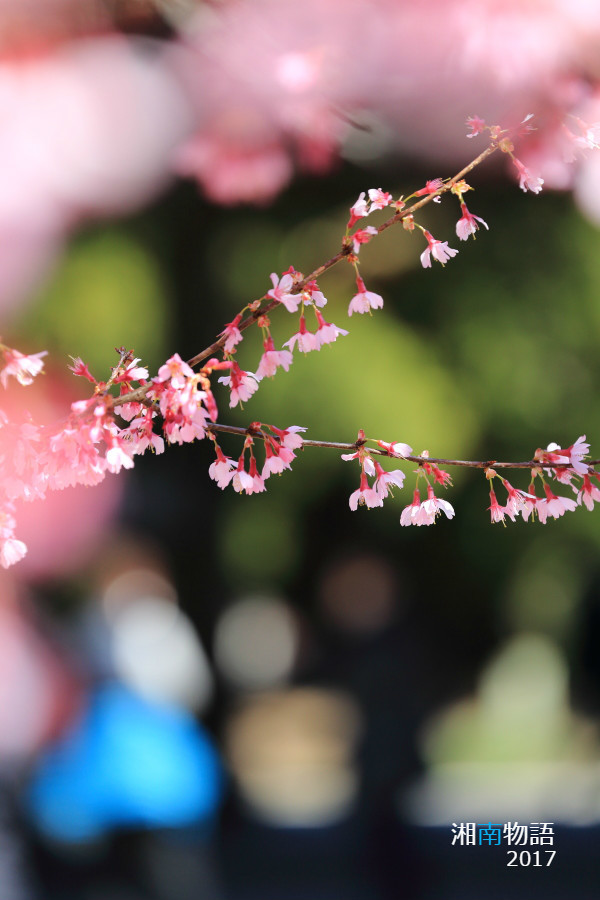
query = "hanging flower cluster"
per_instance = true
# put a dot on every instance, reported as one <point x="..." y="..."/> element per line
<point x="133" y="412"/>
<point x="279" y="445"/>
<point x="563" y="465"/>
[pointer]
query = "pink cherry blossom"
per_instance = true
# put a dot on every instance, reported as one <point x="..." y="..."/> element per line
<point x="467" y="225"/>
<point x="396" y="449"/>
<point x="314" y="295"/>
<point x="209" y="401"/>
<point x="80" y="368"/>
<point x="132" y="372"/>
<point x="181" y="403"/>
<point x="20" y="366"/>
<point x="365" y="495"/>
<point x="409" y="513"/>
<point x="128" y="411"/>
<point x="281" y="291"/>
<point x="176" y="371"/>
<point x="142" y="434"/>
<point x="234" y="335"/>
<point x="438" y="249"/>
<point x="379" y="199"/>
<point x="576" y="453"/>
<point x="289" y="437"/>
<point x="564" y="476"/>
<point x="476" y="125"/>
<point x="385" y="480"/>
<point x="527" y="181"/>
<point x="435" y="505"/>
<point x="552" y="454"/>
<point x="589" y="136"/>
<point x="530" y="503"/>
<point x="277" y="458"/>
<point x="589" y="493"/>
<point x="305" y="339"/>
<point x="365" y="459"/>
<point x="364" y="301"/>
<point x="584" y="175"/>
<point x="242" y="481"/>
<point x="572" y="455"/>
<point x="249" y="482"/>
<point x="425" y="513"/>
<point x="327" y="332"/>
<point x="358" y="211"/>
<point x="553" y="506"/>
<point x="363" y="236"/>
<point x="72" y="456"/>
<point x="440" y="476"/>
<point x="497" y="512"/>
<point x="258" y="483"/>
<point x="516" y="500"/>
<point x="11" y="551"/>
<point x="118" y="458"/>
<point x="367" y="463"/>
<point x="272" y="359"/>
<point x="430" y="188"/>
<point x="242" y="384"/>
<point x="83" y="449"/>
<point x="221" y="469"/>
<point x="184" y="424"/>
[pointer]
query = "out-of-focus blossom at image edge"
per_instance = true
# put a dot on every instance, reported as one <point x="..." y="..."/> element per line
<point x="97" y="124"/>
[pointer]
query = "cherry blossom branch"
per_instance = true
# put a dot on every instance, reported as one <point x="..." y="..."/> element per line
<point x="447" y="186"/>
<point x="139" y="394"/>
<point x="254" y="430"/>
<point x="92" y="442"/>
<point x="347" y="251"/>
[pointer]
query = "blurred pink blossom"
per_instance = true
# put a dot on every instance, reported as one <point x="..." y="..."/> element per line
<point x="88" y="130"/>
<point x="33" y="25"/>
<point x="62" y="531"/>
<point x="587" y="176"/>
<point x="255" y="90"/>
<point x="275" y="82"/>
<point x="37" y="692"/>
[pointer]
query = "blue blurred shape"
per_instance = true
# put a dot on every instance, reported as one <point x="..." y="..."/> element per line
<point x="126" y="762"/>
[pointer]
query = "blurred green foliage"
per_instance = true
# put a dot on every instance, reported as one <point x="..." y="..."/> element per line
<point x="108" y="291"/>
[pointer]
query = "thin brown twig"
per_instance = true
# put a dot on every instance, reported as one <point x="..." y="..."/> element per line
<point x="419" y="460"/>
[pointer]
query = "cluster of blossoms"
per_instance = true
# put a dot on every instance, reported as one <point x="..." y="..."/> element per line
<point x="292" y="291"/>
<point x="527" y="180"/>
<point x="566" y="466"/>
<point x="81" y="450"/>
<point x="419" y="512"/>
<point x="105" y="433"/>
<point x="437" y="250"/>
<point x="375" y="494"/>
<point x="279" y="448"/>
<point x="91" y="443"/>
